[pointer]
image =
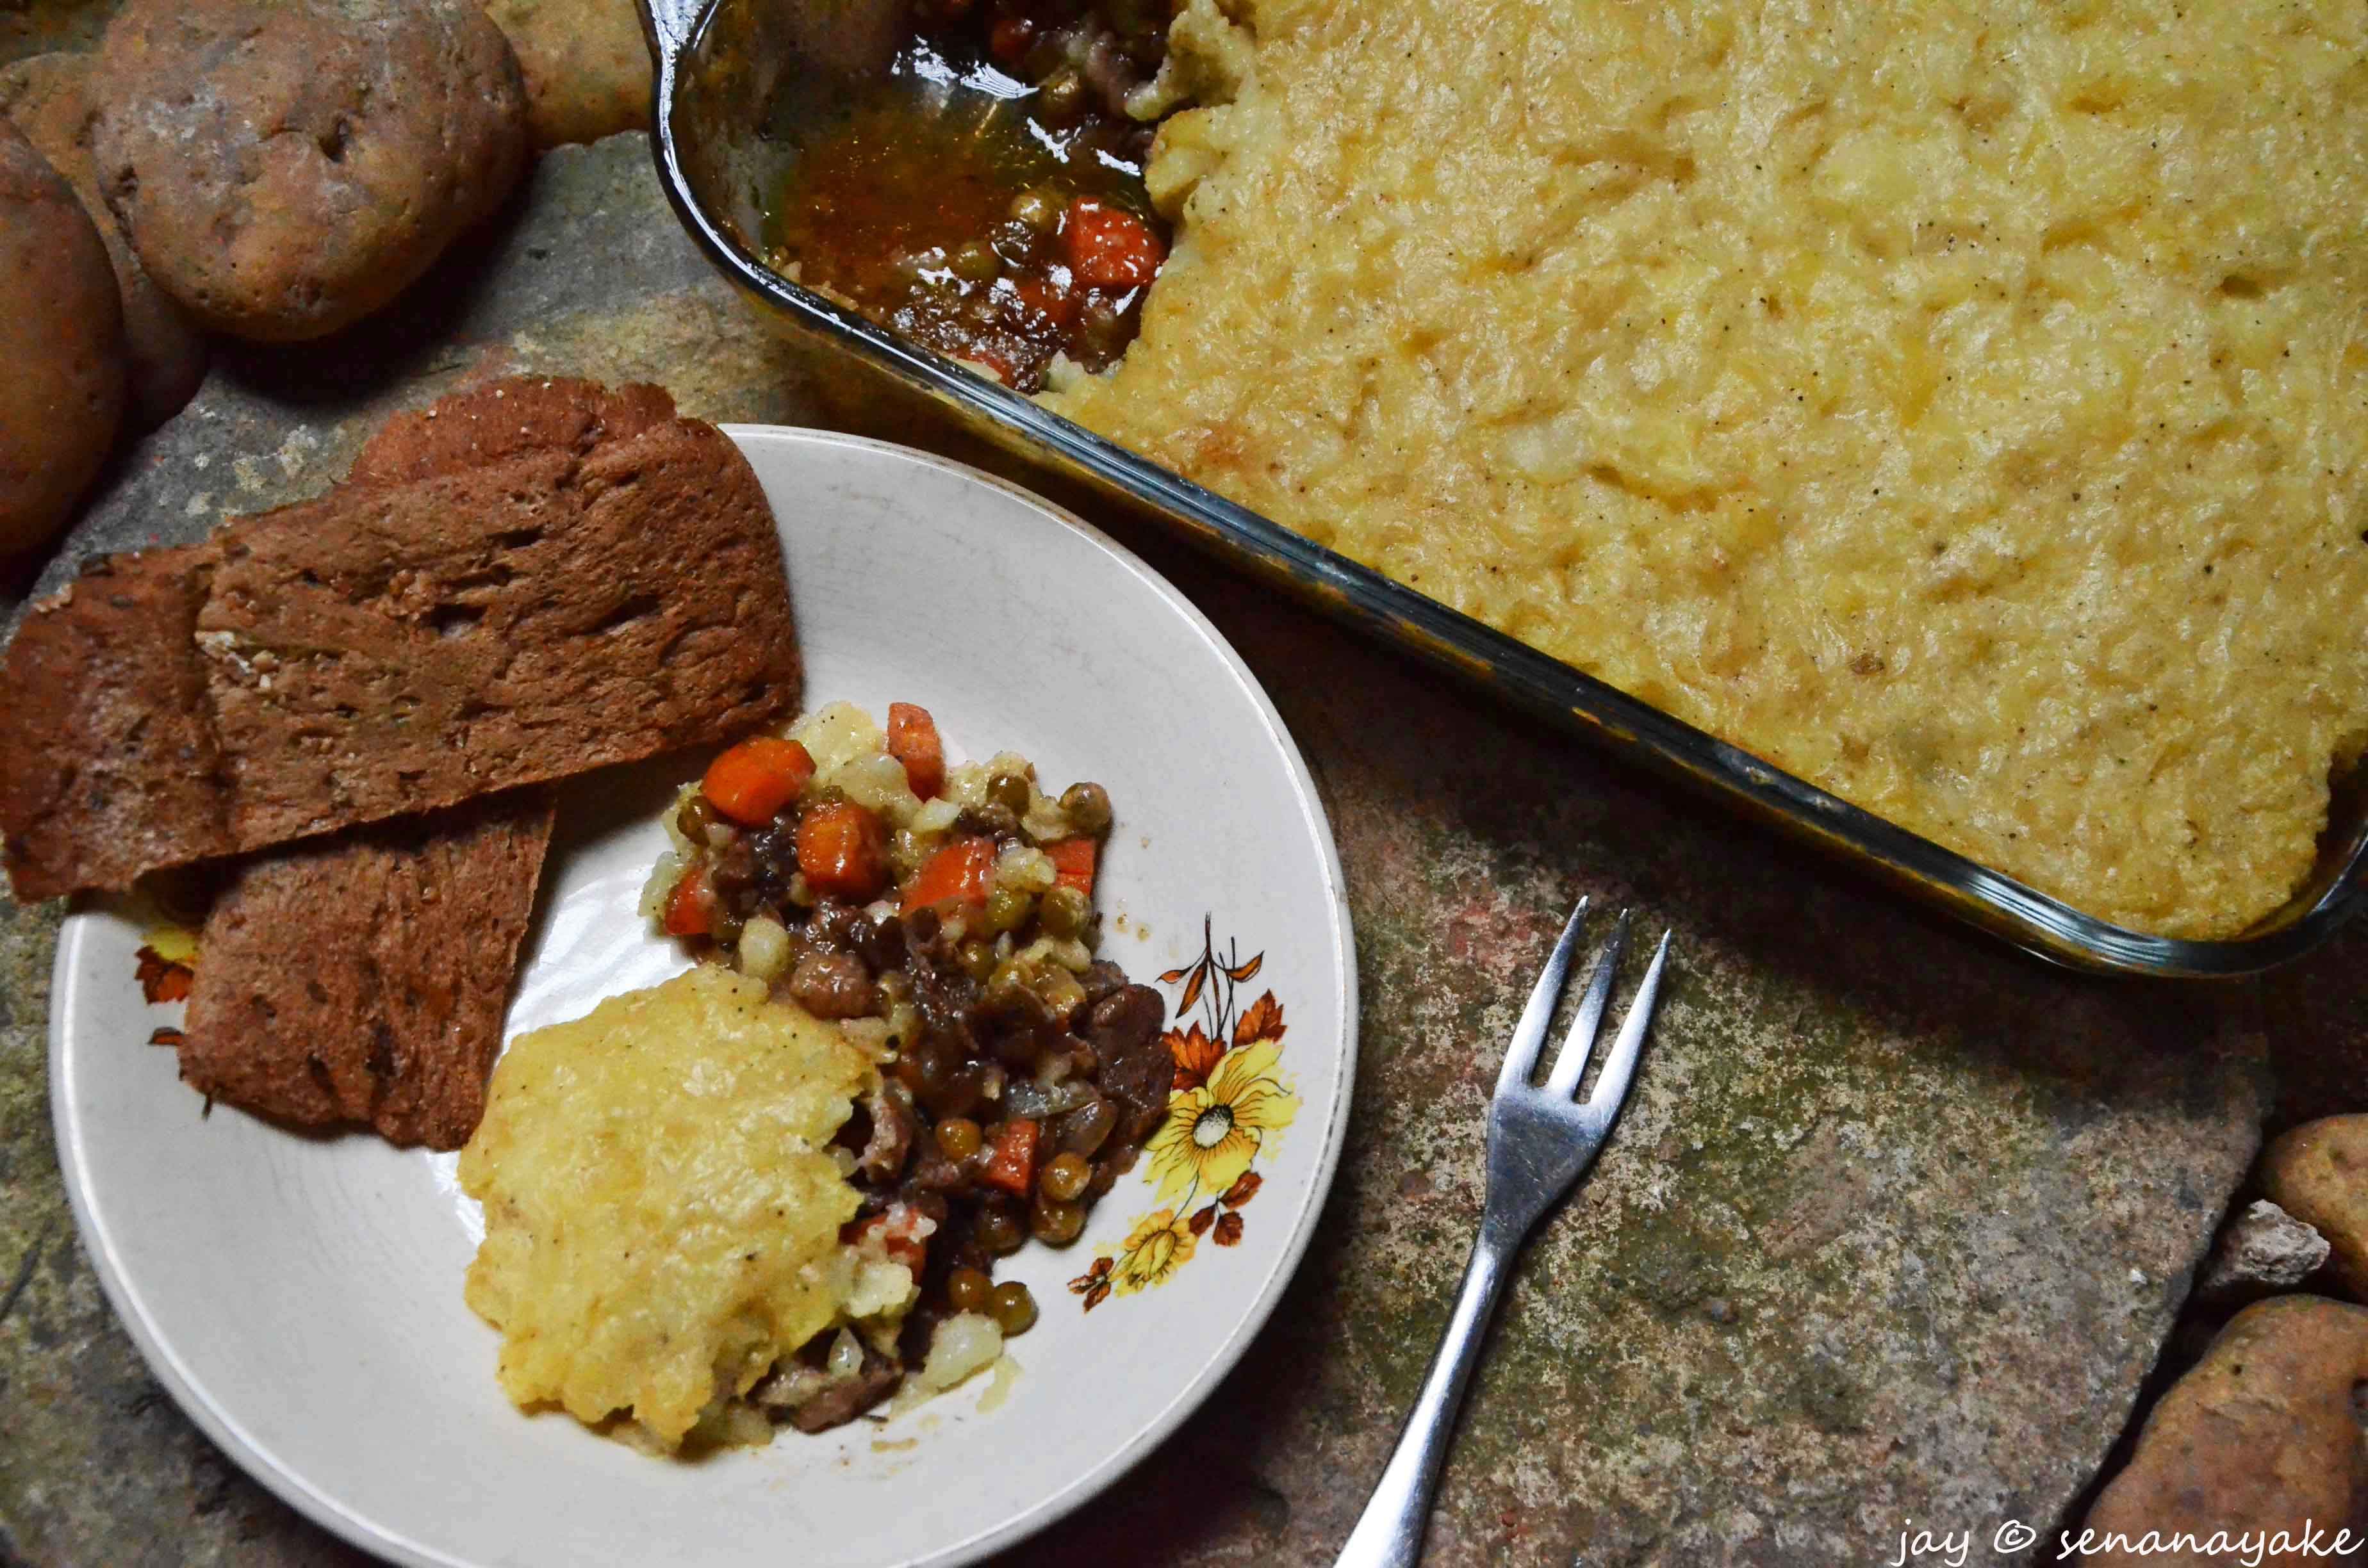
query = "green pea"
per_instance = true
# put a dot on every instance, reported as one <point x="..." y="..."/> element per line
<point x="1065" y="911"/>
<point x="1014" y="1307"/>
<point x="1062" y="97"/>
<point x="1012" y="792"/>
<point x="1087" y="807"/>
<point x="1037" y="207"/>
<point x="1008" y="909"/>
<point x="975" y="262"/>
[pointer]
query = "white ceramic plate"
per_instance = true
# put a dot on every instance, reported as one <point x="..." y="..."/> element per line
<point x="300" y="1296"/>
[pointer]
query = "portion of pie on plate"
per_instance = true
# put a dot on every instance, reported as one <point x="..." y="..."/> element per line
<point x="772" y="1189"/>
<point x="773" y="1166"/>
<point x="663" y="1211"/>
<point x="777" y="1188"/>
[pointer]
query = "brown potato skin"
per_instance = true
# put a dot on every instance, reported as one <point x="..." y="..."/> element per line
<point x="62" y="344"/>
<point x="45" y="96"/>
<point x="285" y="169"/>
<point x="585" y="63"/>
<point x="2261" y="1435"/>
<point x="2319" y="1173"/>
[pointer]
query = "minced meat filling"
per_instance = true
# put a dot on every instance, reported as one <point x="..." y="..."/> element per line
<point x="948" y="915"/>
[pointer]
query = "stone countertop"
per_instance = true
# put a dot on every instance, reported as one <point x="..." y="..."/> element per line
<point x="1895" y="1225"/>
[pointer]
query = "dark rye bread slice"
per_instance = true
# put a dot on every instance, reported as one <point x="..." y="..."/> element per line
<point x="519" y="583"/>
<point x="363" y="977"/>
<point x="107" y="761"/>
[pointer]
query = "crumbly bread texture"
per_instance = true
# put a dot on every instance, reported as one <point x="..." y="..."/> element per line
<point x="363" y="977"/>
<point x="520" y="583"/>
<point x="1960" y="405"/>
<point x="108" y="761"/>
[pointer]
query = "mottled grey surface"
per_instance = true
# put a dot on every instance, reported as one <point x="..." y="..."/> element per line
<point x="1895" y="1225"/>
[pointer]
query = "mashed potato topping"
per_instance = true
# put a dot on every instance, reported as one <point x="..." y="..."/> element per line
<point x="662" y="1208"/>
<point x="1960" y="404"/>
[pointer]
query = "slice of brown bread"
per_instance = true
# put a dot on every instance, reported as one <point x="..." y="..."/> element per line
<point x="363" y="977"/>
<point x="523" y="582"/>
<point x="107" y="762"/>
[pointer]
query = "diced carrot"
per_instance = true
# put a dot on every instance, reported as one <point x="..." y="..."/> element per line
<point x="1109" y="247"/>
<point x="1012" y="1163"/>
<point x="755" y="778"/>
<point x="1008" y="39"/>
<point x="913" y="741"/>
<point x="689" y="907"/>
<point x="1073" y="863"/>
<point x="1059" y="307"/>
<point x="903" y="1235"/>
<point x="843" y="850"/>
<point x="960" y="872"/>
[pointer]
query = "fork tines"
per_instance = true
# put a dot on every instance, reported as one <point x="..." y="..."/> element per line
<point x="1578" y="1044"/>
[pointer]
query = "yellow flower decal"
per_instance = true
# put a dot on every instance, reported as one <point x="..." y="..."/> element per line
<point x="1155" y="1248"/>
<point x="174" y="944"/>
<point x="1227" y="1101"/>
<point x="166" y="963"/>
<point x="1213" y="1132"/>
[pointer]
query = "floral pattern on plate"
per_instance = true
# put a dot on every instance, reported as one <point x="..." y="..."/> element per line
<point x="167" y="966"/>
<point x="1230" y="1102"/>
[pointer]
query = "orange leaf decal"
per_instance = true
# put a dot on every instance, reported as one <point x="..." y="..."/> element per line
<point x="1196" y="1055"/>
<point x="171" y="1037"/>
<point x="1096" y="1296"/>
<point x="1085" y="1284"/>
<point x="1229" y="1229"/>
<point x="161" y="979"/>
<point x="1244" y="975"/>
<point x="1200" y="1221"/>
<point x="1243" y="1190"/>
<point x="1192" y="989"/>
<point x="1263" y="1020"/>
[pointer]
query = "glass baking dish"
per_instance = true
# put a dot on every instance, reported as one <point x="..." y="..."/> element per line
<point x="720" y="65"/>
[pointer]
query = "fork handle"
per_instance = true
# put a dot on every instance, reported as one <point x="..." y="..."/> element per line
<point x="1389" y="1534"/>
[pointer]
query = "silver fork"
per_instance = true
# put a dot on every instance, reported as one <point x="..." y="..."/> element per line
<point x="1541" y="1141"/>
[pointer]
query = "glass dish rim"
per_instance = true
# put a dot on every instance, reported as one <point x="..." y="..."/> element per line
<point x="1939" y="877"/>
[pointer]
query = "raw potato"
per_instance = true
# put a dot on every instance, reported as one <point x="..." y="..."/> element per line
<point x="2262" y="1435"/>
<point x="2318" y="1173"/>
<point x="61" y="348"/>
<point x="285" y="169"/>
<point x="585" y="63"/>
<point x="661" y="1209"/>
<point x="166" y="353"/>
